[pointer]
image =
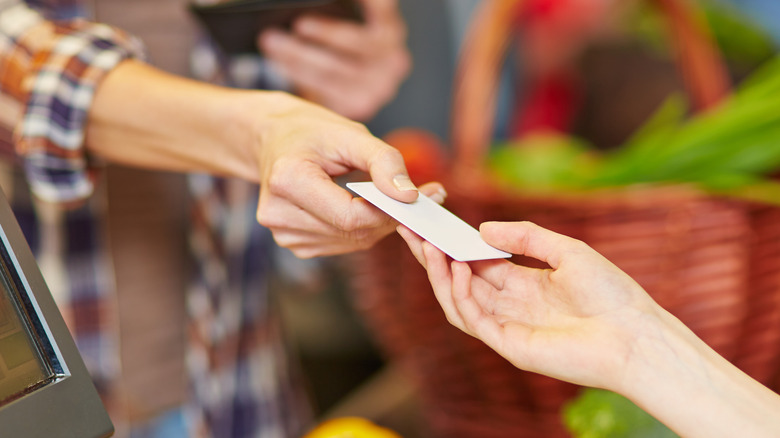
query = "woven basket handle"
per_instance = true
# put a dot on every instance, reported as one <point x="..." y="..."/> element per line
<point x="487" y="42"/>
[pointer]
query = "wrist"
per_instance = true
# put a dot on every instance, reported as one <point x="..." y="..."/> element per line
<point x="257" y="117"/>
<point x="663" y="348"/>
<point x="685" y="384"/>
<point x="665" y="370"/>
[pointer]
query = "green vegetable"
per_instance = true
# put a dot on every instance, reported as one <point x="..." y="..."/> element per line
<point x="739" y="38"/>
<point x="603" y="414"/>
<point x="728" y="150"/>
<point x="544" y="161"/>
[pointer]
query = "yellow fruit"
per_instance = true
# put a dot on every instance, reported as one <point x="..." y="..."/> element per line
<point x="350" y="427"/>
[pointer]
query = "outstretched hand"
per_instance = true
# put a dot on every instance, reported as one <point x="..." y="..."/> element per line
<point x="573" y="322"/>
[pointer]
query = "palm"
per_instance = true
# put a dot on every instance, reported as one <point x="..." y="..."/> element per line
<point x="552" y="321"/>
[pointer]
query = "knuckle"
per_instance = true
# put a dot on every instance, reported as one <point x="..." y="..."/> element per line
<point x="363" y="239"/>
<point x="265" y="214"/>
<point x="283" y="239"/>
<point x="347" y="222"/>
<point x="282" y="172"/>
<point x="452" y="320"/>
<point x="579" y="246"/>
<point x="390" y="154"/>
<point x="263" y="218"/>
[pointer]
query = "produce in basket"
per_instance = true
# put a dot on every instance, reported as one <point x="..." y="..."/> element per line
<point x="731" y="149"/>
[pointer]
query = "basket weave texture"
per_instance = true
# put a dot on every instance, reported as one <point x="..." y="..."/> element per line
<point x="712" y="262"/>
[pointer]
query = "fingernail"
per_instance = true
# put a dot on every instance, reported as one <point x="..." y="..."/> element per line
<point x="439" y="196"/>
<point x="403" y="183"/>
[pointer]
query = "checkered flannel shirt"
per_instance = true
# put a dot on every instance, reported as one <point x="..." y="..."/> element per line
<point x="49" y="70"/>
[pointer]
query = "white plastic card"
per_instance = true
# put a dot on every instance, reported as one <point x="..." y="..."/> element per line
<point x="433" y="223"/>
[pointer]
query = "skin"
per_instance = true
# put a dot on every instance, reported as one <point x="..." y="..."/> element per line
<point x="586" y="322"/>
<point x="291" y="147"/>
<point x="144" y="117"/>
<point x="351" y="68"/>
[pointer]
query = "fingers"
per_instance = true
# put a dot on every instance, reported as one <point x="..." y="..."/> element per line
<point x="384" y="163"/>
<point x="295" y="56"/>
<point x="309" y="246"/>
<point x="530" y="239"/>
<point x="452" y="285"/>
<point x="440" y="277"/>
<point x="382" y="30"/>
<point x="309" y="201"/>
<point x="476" y="321"/>
<point x="377" y="11"/>
<point x="436" y="192"/>
<point x="388" y="171"/>
<point x="343" y="87"/>
<point x="307" y="236"/>
<point x="414" y="242"/>
<point x="344" y="37"/>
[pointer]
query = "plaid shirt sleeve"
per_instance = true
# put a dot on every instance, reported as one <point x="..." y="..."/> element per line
<point x="52" y="69"/>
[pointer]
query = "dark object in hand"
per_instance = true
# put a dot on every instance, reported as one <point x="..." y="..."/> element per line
<point x="234" y="25"/>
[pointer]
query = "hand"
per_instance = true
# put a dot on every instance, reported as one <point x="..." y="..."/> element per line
<point x="351" y="68"/>
<point x="587" y="322"/>
<point x="306" y="211"/>
<point x="575" y="322"/>
<point x="293" y="148"/>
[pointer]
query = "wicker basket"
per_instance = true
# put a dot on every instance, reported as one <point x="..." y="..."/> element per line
<point x="714" y="263"/>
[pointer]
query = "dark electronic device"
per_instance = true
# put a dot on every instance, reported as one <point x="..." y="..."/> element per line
<point x="234" y="25"/>
<point x="45" y="390"/>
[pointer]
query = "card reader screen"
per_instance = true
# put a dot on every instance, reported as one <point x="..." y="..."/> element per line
<point x="22" y="365"/>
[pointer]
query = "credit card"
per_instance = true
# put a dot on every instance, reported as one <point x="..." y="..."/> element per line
<point x="432" y="222"/>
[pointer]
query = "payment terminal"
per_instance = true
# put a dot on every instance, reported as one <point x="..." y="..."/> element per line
<point x="45" y="390"/>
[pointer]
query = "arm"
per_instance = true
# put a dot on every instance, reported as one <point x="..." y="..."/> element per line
<point x="80" y="87"/>
<point x="48" y="75"/>
<point x="351" y="68"/>
<point x="587" y="322"/>
<point x="144" y="117"/>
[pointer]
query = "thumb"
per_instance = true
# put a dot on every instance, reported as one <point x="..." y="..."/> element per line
<point x="388" y="172"/>
<point x="528" y="239"/>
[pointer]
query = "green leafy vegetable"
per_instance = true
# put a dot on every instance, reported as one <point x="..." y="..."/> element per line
<point x="729" y="149"/>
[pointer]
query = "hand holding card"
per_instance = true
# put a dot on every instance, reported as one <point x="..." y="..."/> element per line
<point x="433" y="223"/>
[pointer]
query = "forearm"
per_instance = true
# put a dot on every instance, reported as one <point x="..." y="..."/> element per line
<point x="144" y="117"/>
<point x="681" y="381"/>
